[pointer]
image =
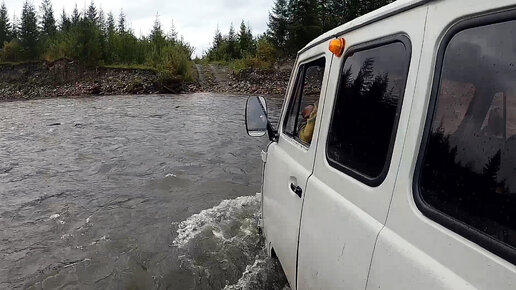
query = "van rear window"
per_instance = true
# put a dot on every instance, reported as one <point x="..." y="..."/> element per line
<point x="468" y="172"/>
<point x="366" y="111"/>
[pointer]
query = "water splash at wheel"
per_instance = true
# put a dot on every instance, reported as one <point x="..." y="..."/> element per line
<point x="223" y="248"/>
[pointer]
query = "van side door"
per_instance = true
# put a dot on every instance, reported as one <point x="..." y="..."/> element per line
<point x="452" y="221"/>
<point x="359" y="151"/>
<point x="290" y="160"/>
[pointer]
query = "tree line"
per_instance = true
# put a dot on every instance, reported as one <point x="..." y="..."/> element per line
<point x="292" y="24"/>
<point x="91" y="37"/>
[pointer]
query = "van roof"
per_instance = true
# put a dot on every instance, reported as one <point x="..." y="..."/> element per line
<point x="377" y="15"/>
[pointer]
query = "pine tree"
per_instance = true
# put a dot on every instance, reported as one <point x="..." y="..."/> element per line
<point x="217" y="39"/>
<point x="76" y="16"/>
<point x="304" y="23"/>
<point x="245" y="40"/>
<point x="64" y="23"/>
<point x="110" y="50"/>
<point x="121" y="23"/>
<point x="232" y="51"/>
<point x="110" y="24"/>
<point x="325" y="15"/>
<point x="172" y="33"/>
<point x="157" y="39"/>
<point x="5" y="25"/>
<point x="337" y="12"/>
<point x="15" y="28"/>
<point x="48" y="22"/>
<point x="278" y="24"/>
<point x="156" y="34"/>
<point x="101" y="20"/>
<point x="91" y="13"/>
<point x="29" y="34"/>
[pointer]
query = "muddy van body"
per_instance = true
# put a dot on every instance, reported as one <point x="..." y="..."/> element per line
<point x="393" y="164"/>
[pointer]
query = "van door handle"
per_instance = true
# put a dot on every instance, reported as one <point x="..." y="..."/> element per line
<point x="296" y="189"/>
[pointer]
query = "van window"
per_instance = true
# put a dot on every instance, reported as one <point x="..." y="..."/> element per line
<point x="304" y="103"/>
<point x="365" y="115"/>
<point x="468" y="172"/>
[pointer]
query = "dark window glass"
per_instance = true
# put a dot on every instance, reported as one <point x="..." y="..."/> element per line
<point x="365" y="115"/>
<point x="304" y="104"/>
<point x="469" y="170"/>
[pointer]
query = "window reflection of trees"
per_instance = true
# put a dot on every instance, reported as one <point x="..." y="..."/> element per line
<point x="469" y="170"/>
<point x="363" y="119"/>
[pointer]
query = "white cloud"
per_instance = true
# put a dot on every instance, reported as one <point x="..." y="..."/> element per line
<point x="196" y="20"/>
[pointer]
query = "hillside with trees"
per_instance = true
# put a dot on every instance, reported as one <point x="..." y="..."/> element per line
<point x="90" y="45"/>
<point x="91" y="37"/>
<point x="292" y="24"/>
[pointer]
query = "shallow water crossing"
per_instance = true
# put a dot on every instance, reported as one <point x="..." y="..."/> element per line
<point x="128" y="192"/>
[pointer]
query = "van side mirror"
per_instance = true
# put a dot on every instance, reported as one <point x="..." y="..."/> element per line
<point x="257" y="122"/>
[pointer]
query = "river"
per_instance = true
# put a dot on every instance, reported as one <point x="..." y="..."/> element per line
<point x="132" y="192"/>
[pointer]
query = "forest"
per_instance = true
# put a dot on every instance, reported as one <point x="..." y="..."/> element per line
<point x="291" y="25"/>
<point x="96" y="38"/>
<point x="90" y="37"/>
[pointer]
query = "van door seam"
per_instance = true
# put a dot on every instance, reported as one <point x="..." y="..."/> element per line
<point x="312" y="169"/>
<point x="402" y="147"/>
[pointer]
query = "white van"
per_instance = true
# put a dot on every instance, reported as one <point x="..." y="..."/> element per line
<point x="408" y="179"/>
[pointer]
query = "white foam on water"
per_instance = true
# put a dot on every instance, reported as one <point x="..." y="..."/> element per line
<point x="212" y="218"/>
<point x="223" y="248"/>
<point x="54" y="216"/>
<point x="103" y="238"/>
<point x="250" y="275"/>
<point x="66" y="236"/>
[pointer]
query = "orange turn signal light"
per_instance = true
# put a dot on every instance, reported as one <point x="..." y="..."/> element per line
<point x="337" y="46"/>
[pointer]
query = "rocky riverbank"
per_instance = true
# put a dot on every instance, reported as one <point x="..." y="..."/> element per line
<point x="65" y="78"/>
<point x="220" y="79"/>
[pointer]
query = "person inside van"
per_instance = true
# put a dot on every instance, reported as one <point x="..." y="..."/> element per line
<point x="306" y="130"/>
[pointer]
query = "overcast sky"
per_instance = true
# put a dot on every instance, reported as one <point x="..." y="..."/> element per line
<point x="196" y="20"/>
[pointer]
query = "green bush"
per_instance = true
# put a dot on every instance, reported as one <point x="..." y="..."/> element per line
<point x="11" y="52"/>
<point x="265" y="51"/>
<point x="62" y="46"/>
<point x="177" y="61"/>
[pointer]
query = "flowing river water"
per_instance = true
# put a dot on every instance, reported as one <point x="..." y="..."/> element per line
<point x="132" y="192"/>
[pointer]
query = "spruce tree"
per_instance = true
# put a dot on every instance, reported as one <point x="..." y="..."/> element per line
<point x="157" y="39"/>
<point x="337" y="13"/>
<point x="110" y="24"/>
<point x="232" y="51"/>
<point x="110" y="51"/>
<point x="278" y="24"/>
<point x="121" y="23"/>
<point x="48" y="22"/>
<point x="172" y="33"/>
<point x="156" y="34"/>
<point x="325" y="14"/>
<point x="91" y="13"/>
<point x="217" y="39"/>
<point x="15" y="28"/>
<point x="101" y="20"/>
<point x="304" y="23"/>
<point x="245" y="39"/>
<point x="64" y="23"/>
<point x="103" y="37"/>
<point x="29" y="34"/>
<point x="76" y="16"/>
<point x="5" y="26"/>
